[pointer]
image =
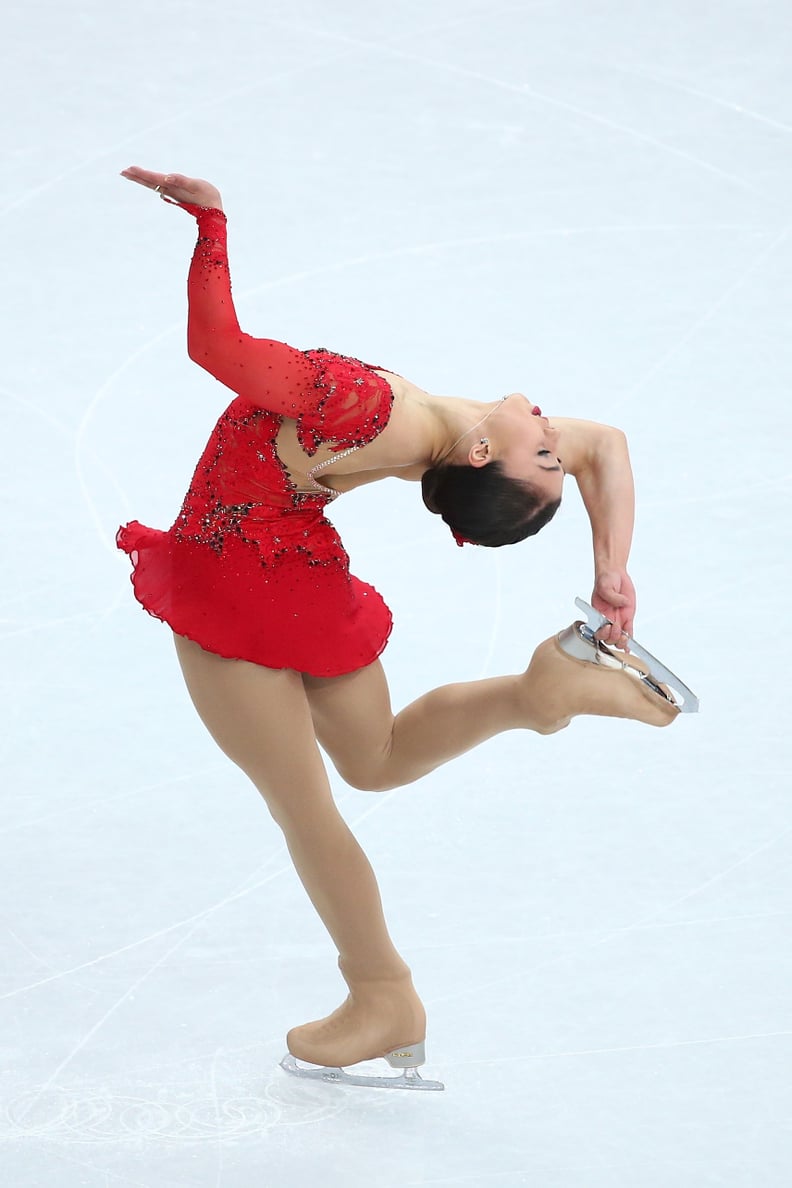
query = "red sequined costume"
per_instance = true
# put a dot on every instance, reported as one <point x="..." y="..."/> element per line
<point x="252" y="569"/>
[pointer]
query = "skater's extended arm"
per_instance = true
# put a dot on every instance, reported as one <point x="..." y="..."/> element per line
<point x="598" y="458"/>
<point x="334" y="399"/>
<point x="265" y="371"/>
<point x="270" y="373"/>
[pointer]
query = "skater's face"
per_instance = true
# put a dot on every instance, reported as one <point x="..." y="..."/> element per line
<point x="525" y="443"/>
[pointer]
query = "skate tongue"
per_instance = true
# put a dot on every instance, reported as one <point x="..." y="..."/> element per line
<point x="685" y="698"/>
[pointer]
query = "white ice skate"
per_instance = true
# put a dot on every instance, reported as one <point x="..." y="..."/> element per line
<point x="579" y="641"/>
<point x="408" y="1059"/>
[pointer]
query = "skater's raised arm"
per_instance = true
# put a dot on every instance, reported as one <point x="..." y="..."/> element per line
<point x="598" y="458"/>
<point x="265" y="371"/>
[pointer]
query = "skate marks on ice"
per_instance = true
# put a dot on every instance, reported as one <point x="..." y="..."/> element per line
<point x="29" y="1102"/>
<point x="620" y="1049"/>
<point x="305" y="69"/>
<point x="146" y="132"/>
<point x="529" y="92"/>
<point x="196" y="919"/>
<point x="765" y="253"/>
<point x="98" y="802"/>
<point x="32" y="414"/>
<point x="586" y="943"/>
<point x="215" y="1109"/>
<point x="260" y="877"/>
<point x="674" y="84"/>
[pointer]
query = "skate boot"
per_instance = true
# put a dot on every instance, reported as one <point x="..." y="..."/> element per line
<point x="573" y="673"/>
<point x="380" y="1019"/>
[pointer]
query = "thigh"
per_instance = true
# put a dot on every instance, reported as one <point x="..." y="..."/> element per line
<point x="353" y="721"/>
<point x="261" y="719"/>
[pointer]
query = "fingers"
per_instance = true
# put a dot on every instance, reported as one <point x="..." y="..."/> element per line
<point x="144" y="177"/>
<point x="175" y="186"/>
<point x="612" y="596"/>
<point x="617" y="631"/>
<point x="614" y="635"/>
<point x="160" y="181"/>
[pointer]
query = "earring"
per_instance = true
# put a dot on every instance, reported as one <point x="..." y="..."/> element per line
<point x="483" y="441"/>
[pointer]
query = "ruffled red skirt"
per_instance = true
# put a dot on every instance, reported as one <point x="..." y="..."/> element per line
<point x="297" y="608"/>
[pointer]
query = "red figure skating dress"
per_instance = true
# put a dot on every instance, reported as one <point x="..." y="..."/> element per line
<point x="252" y="569"/>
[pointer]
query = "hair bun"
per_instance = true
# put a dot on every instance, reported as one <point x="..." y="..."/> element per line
<point x="429" y="483"/>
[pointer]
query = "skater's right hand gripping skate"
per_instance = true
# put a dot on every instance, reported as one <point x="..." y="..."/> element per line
<point x="614" y="597"/>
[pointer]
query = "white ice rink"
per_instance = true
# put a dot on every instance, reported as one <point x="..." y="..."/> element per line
<point x="588" y="202"/>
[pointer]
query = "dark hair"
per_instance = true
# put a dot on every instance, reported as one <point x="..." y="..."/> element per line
<point x="484" y="506"/>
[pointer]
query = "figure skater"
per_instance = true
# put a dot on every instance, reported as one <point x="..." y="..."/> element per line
<point x="279" y="643"/>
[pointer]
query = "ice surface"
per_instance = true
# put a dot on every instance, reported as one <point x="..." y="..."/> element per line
<point x="588" y="203"/>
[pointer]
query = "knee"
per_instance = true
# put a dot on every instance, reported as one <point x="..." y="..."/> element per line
<point x="367" y="775"/>
<point x="368" y="768"/>
<point x="367" y="781"/>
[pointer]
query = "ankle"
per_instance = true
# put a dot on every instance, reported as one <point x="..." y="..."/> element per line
<point x="544" y="707"/>
<point x="365" y="973"/>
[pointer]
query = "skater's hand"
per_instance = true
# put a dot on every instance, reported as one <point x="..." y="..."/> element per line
<point x="176" y="186"/>
<point x="614" y="597"/>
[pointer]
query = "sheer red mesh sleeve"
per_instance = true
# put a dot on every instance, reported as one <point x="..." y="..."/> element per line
<point x="269" y="373"/>
<point x="334" y="398"/>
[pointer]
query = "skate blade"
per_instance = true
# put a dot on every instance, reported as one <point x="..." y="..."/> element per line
<point x="684" y="698"/>
<point x="409" y="1079"/>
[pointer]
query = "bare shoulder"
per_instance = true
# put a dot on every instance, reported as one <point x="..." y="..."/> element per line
<point x="580" y="442"/>
<point x="400" y="450"/>
<point x="404" y="443"/>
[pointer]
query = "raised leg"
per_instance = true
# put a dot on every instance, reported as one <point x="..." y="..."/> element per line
<point x="374" y="749"/>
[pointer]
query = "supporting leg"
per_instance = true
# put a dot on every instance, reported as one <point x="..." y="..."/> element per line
<point x="260" y="718"/>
